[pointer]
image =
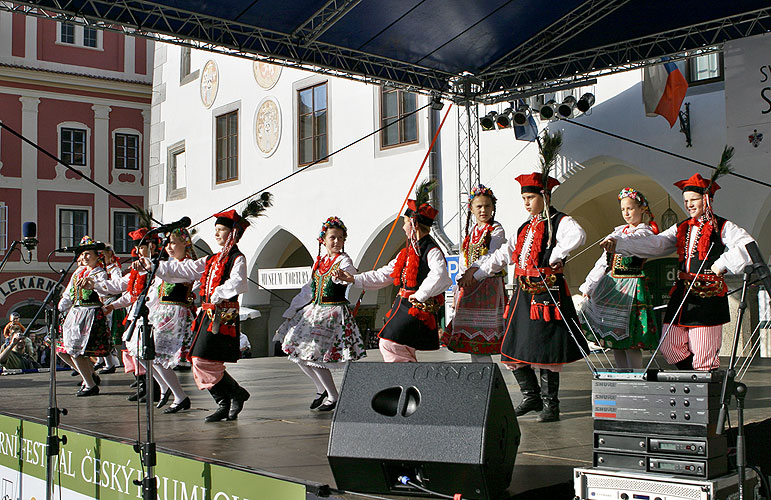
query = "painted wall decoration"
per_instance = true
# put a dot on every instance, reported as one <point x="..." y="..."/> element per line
<point x="267" y="126"/>
<point x="210" y="82"/>
<point x="266" y="74"/>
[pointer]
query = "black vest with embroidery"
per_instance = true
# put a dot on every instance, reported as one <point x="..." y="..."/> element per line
<point x="715" y="239"/>
<point x="234" y="253"/>
<point x="544" y="253"/>
<point x="324" y="290"/>
<point x="176" y="293"/>
<point x="425" y="244"/>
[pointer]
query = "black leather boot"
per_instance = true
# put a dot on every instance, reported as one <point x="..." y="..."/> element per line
<point x="141" y="389"/>
<point x="531" y="393"/>
<point x="550" y="386"/>
<point x="238" y="396"/>
<point x="222" y="398"/>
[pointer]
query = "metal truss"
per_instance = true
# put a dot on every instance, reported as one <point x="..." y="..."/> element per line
<point x="183" y="27"/>
<point x="323" y="19"/>
<point x="559" y="32"/>
<point x="527" y="70"/>
<point x="468" y="158"/>
<point x="643" y="51"/>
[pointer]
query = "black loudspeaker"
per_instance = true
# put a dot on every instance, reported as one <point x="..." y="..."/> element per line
<point x="449" y="427"/>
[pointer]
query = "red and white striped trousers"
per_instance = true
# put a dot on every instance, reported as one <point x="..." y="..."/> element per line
<point x="703" y="341"/>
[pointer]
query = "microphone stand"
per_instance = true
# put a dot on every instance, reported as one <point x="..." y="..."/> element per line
<point x="13" y="246"/>
<point x="54" y="413"/>
<point x="147" y="450"/>
<point x="737" y="389"/>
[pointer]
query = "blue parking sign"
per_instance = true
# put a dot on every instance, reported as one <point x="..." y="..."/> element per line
<point x="453" y="267"/>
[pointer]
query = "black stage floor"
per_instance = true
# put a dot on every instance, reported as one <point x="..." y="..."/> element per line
<point x="277" y="433"/>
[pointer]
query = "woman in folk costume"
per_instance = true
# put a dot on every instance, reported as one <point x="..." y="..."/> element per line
<point x="320" y="333"/>
<point x="707" y="246"/>
<point x="617" y="306"/>
<point x="216" y="329"/>
<point x="107" y="364"/>
<point x="420" y="272"/>
<point x="85" y="331"/>
<point x="541" y="328"/>
<point x="478" y="325"/>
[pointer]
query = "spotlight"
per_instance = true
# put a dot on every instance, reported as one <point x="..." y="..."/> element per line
<point x="504" y="119"/>
<point x="520" y="116"/>
<point x="586" y="102"/>
<point x="547" y="110"/>
<point x="487" y="122"/>
<point x="565" y="110"/>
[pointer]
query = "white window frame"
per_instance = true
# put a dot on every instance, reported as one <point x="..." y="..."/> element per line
<point x="140" y="151"/>
<point x="90" y="211"/>
<point x="76" y="125"/>
<point x="79" y="37"/>
<point x="177" y="193"/>
<point x="223" y="110"/>
<point x="3" y="228"/>
<point x="114" y="211"/>
<point x="297" y="86"/>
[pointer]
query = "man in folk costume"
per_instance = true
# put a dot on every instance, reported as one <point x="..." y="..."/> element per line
<point x="541" y="325"/>
<point x="420" y="271"/>
<point x="707" y="247"/>
<point x="216" y="329"/>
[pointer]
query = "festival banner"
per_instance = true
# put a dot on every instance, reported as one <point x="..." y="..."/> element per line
<point x="91" y="468"/>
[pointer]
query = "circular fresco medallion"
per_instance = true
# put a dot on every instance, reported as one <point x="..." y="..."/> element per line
<point x="210" y="82"/>
<point x="267" y="126"/>
<point x="266" y="74"/>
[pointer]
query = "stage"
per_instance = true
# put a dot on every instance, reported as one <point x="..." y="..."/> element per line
<point x="278" y="435"/>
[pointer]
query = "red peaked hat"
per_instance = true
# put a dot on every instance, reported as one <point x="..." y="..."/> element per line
<point x="231" y="219"/>
<point x="425" y="213"/>
<point x="533" y="183"/>
<point x="698" y="184"/>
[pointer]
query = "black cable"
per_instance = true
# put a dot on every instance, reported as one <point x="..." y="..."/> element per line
<point x="763" y="479"/>
<point x="654" y="148"/>
<point x="302" y="169"/>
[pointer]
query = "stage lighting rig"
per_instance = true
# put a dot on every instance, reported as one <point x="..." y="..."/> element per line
<point x="548" y="110"/>
<point x="487" y="122"/>
<point x="503" y="120"/>
<point x="586" y="102"/>
<point x="565" y="110"/>
<point x="520" y="116"/>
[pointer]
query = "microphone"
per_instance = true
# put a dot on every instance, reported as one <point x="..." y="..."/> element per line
<point x="167" y="228"/>
<point x="82" y="248"/>
<point x="29" y="231"/>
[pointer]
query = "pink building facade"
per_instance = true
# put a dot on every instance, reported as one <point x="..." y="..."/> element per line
<point x="85" y="96"/>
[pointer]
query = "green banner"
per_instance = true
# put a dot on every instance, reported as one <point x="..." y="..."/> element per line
<point x="89" y="467"/>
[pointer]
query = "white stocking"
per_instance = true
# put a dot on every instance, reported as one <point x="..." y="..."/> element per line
<point x="312" y="375"/>
<point x="325" y="376"/>
<point x="172" y="382"/>
<point x="86" y="368"/>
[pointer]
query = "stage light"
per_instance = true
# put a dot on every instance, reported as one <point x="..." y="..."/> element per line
<point x="565" y="110"/>
<point x="487" y="122"/>
<point x="504" y="119"/>
<point x="547" y="110"/>
<point x="520" y="116"/>
<point x="586" y="102"/>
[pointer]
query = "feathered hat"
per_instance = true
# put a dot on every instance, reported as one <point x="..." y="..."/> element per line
<point x="707" y="188"/>
<point x="541" y="182"/>
<point x="419" y="208"/>
<point x="240" y="221"/>
<point x="145" y="222"/>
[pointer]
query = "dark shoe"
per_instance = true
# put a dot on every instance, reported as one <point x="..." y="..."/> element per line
<point x="685" y="364"/>
<point x="97" y="380"/>
<point x="319" y="399"/>
<point x="528" y="385"/>
<point x="221" y="395"/>
<point x="74" y="373"/>
<point x="83" y="392"/>
<point x="106" y="371"/>
<point x="184" y="405"/>
<point x="134" y="383"/>
<point x="164" y="399"/>
<point x="140" y="394"/>
<point x="550" y="386"/>
<point x="328" y="406"/>
<point x="98" y="365"/>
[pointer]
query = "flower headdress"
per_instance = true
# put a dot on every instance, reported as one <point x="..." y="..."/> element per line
<point x="481" y="190"/>
<point x="331" y="222"/>
<point x="184" y="235"/>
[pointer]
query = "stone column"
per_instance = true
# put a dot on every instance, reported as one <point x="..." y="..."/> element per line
<point x="100" y="165"/>
<point x="29" y="155"/>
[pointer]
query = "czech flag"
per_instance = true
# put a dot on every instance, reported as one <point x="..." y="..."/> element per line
<point x="664" y="88"/>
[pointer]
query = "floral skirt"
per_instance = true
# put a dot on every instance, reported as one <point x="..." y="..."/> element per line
<point x="171" y="329"/>
<point x="478" y="325"/>
<point x="322" y="336"/>
<point x="85" y="332"/>
<point x="620" y="315"/>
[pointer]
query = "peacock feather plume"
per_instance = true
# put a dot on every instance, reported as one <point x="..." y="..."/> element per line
<point x="550" y="145"/>
<point x="423" y="192"/>
<point x="257" y="206"/>
<point x="724" y="167"/>
<point x="145" y="217"/>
